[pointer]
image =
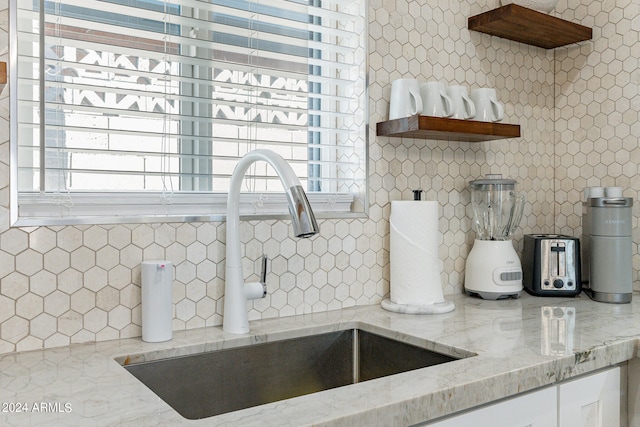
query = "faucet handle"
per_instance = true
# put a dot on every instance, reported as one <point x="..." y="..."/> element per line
<point x="255" y="290"/>
<point x="263" y="274"/>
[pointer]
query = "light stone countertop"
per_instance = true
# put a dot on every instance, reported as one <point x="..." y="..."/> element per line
<point x="517" y="344"/>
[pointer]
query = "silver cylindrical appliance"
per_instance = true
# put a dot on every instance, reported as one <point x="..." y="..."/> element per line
<point x="607" y="264"/>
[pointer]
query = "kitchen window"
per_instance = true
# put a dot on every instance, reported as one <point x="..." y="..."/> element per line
<point x="138" y="110"/>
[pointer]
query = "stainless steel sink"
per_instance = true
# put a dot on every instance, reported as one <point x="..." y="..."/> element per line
<point x="206" y="384"/>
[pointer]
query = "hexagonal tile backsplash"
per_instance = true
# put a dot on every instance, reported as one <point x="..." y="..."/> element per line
<point x="578" y="107"/>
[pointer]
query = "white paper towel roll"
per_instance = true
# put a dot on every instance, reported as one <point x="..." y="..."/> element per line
<point x="157" y="283"/>
<point x="415" y="266"/>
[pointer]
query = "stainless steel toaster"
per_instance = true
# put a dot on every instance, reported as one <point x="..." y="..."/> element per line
<point x="551" y="265"/>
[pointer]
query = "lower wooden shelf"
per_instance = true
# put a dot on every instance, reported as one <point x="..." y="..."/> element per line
<point x="427" y="127"/>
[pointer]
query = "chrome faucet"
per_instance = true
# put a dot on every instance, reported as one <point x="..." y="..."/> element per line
<point x="236" y="291"/>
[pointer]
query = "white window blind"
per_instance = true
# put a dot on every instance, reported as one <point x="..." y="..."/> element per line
<point x="133" y="109"/>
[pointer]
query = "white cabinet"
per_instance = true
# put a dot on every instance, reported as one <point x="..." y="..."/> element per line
<point x="590" y="401"/>
<point x="536" y="409"/>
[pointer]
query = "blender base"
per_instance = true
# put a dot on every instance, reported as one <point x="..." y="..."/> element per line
<point x="493" y="270"/>
<point x="492" y="295"/>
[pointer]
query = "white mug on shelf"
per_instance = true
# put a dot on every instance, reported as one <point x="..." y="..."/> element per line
<point x="488" y="109"/>
<point x="463" y="107"/>
<point x="435" y="101"/>
<point x="405" y="99"/>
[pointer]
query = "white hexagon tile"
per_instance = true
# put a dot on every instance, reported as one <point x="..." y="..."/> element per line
<point x="578" y="109"/>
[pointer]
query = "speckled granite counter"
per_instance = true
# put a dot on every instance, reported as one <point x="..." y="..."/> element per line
<point x="520" y="345"/>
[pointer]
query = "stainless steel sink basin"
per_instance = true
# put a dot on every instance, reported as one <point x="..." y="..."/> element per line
<point x="206" y="384"/>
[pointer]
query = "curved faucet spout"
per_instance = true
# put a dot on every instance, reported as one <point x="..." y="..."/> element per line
<point x="304" y="223"/>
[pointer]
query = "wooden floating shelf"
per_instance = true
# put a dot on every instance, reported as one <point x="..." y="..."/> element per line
<point x="427" y="127"/>
<point x="528" y="26"/>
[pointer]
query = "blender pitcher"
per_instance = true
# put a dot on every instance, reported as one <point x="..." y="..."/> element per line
<point x="493" y="269"/>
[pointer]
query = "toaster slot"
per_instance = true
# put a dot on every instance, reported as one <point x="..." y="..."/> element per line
<point x="558" y="259"/>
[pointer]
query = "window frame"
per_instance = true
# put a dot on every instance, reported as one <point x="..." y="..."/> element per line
<point x="142" y="207"/>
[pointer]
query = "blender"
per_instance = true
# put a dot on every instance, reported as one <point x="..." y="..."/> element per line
<point x="493" y="270"/>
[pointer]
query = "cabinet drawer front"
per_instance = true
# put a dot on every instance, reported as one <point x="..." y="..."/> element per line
<point x="536" y="409"/>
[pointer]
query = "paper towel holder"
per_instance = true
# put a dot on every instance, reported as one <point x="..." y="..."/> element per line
<point x="416" y="280"/>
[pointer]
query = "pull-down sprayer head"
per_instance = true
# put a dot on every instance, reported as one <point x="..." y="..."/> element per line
<point x="302" y="218"/>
